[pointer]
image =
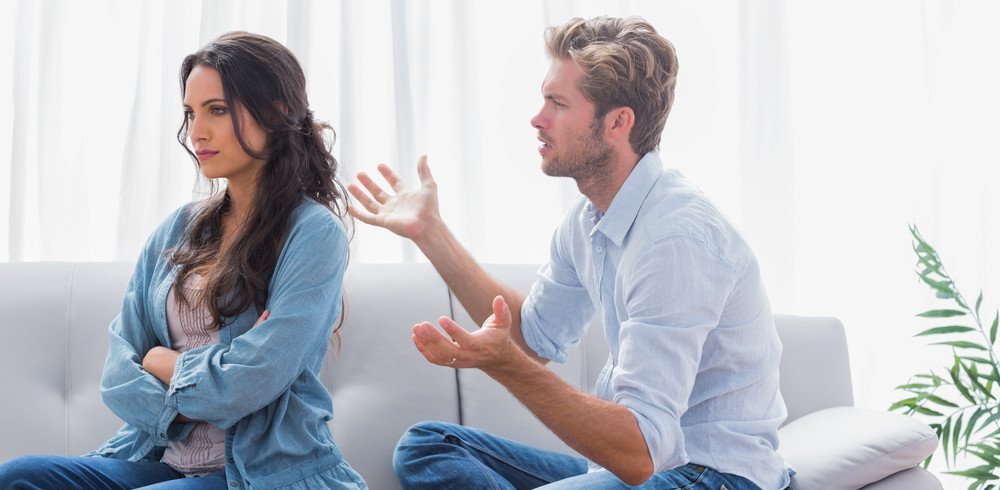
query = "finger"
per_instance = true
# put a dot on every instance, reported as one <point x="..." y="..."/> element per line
<point x="457" y="333"/>
<point x="373" y="188"/>
<point x="430" y="356"/>
<point x="424" y="172"/>
<point x="362" y="215"/>
<point x="438" y="348"/>
<point x="394" y="181"/>
<point x="363" y="198"/>
<point x="263" y="317"/>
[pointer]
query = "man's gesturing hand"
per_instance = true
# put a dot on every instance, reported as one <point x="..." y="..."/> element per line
<point x="406" y="213"/>
<point x="488" y="347"/>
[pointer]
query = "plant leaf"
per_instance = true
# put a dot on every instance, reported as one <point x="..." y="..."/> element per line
<point x="956" y="430"/>
<point x="989" y="420"/>
<point x="941" y="313"/>
<point x="913" y="387"/>
<point x="943" y="288"/>
<point x="970" y="370"/>
<point x="971" y="424"/>
<point x="993" y="329"/>
<point x="979" y="301"/>
<point x="954" y="372"/>
<point x="940" y="401"/>
<point x="946" y="329"/>
<point x="906" y="402"/>
<point x="978" y="474"/>
<point x="962" y="344"/>
<point x="926" y="411"/>
<point x="945" y="437"/>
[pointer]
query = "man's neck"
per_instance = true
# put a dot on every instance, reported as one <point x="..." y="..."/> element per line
<point x="602" y="189"/>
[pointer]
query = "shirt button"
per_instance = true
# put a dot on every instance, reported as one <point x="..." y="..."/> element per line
<point x="233" y="484"/>
<point x="599" y="249"/>
<point x="162" y="435"/>
<point x="231" y="460"/>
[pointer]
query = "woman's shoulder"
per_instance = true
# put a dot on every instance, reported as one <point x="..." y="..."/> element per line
<point x="312" y="218"/>
<point x="173" y="226"/>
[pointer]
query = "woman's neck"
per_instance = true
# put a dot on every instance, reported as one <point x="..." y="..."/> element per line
<point x="240" y="205"/>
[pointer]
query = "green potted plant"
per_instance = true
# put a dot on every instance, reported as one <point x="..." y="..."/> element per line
<point x="960" y="400"/>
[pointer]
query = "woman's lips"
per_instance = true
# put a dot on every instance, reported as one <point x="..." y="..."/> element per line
<point x="205" y="154"/>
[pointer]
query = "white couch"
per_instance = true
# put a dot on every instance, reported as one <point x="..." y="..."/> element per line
<point x="54" y="317"/>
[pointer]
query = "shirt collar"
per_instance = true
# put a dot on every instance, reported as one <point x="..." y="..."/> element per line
<point x="616" y="223"/>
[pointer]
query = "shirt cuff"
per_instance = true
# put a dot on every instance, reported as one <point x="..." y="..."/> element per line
<point x="664" y="440"/>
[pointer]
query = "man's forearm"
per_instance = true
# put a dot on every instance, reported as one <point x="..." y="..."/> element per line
<point x="604" y="432"/>
<point x="474" y="288"/>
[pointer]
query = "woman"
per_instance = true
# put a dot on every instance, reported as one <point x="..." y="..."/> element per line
<point x="214" y="360"/>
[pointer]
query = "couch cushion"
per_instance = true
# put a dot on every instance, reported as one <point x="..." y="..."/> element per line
<point x="97" y="293"/>
<point x="379" y="381"/>
<point x="911" y="479"/>
<point x="34" y="307"/>
<point x="848" y="447"/>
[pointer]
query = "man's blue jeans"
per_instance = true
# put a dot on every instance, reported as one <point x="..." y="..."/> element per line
<point x="436" y="455"/>
<point x="49" y="472"/>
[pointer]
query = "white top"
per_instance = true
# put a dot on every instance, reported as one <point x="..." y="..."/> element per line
<point x="203" y="450"/>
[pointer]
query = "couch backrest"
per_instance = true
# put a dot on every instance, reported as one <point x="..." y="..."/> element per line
<point x="815" y="369"/>
<point x="54" y="318"/>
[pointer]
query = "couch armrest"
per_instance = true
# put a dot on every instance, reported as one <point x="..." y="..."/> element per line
<point x="849" y="447"/>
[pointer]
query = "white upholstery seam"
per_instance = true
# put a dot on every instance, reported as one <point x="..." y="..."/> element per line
<point x="68" y="384"/>
<point x="883" y="455"/>
<point x="458" y="380"/>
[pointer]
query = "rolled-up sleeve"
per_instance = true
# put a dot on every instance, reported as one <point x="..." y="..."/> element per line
<point x="555" y="314"/>
<point x="674" y="297"/>
<point x="220" y="384"/>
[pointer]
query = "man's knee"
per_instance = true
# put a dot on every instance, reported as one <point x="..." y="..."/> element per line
<point x="417" y="437"/>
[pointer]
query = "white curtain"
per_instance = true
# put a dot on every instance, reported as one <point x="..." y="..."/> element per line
<point x="821" y="128"/>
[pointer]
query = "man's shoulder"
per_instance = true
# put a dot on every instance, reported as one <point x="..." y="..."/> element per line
<point x="677" y="210"/>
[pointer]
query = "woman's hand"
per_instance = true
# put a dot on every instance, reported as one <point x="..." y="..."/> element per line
<point x="159" y="362"/>
<point x="407" y="213"/>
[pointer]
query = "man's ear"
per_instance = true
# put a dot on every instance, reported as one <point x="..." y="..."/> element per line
<point x="619" y="122"/>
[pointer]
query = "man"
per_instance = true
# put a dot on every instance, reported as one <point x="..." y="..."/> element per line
<point x="689" y="396"/>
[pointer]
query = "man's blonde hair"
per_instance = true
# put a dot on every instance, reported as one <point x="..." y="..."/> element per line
<point x="626" y="64"/>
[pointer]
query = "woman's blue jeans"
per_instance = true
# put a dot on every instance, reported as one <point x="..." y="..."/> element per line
<point x="79" y="472"/>
<point x="436" y="455"/>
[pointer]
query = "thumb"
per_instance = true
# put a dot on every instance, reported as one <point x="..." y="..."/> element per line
<point x="501" y="313"/>
<point x="424" y="172"/>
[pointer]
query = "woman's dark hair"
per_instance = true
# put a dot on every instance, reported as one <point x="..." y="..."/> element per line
<point x="263" y="78"/>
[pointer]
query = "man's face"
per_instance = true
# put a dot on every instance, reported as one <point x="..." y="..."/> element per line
<point x="573" y="144"/>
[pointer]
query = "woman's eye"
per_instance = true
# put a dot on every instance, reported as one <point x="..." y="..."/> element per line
<point x="188" y="115"/>
<point x="217" y="110"/>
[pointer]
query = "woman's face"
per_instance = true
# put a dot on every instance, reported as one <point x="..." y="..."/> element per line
<point x="212" y="134"/>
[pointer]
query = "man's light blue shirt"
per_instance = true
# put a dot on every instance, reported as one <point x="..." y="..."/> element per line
<point x="694" y="351"/>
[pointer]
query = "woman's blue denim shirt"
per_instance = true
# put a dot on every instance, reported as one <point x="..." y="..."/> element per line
<point x="261" y="385"/>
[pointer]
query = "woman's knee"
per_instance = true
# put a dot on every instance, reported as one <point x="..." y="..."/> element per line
<point x="26" y="472"/>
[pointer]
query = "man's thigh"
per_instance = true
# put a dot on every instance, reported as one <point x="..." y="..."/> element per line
<point x="687" y="477"/>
